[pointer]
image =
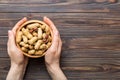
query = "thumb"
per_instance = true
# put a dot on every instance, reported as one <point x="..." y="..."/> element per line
<point x="11" y="40"/>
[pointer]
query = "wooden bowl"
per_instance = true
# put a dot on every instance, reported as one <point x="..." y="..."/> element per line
<point x="33" y="38"/>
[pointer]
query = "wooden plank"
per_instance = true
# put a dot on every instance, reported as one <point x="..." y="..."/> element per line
<point x="61" y="6"/>
<point x="76" y="32"/>
<point x="98" y="16"/>
<point x="74" y="68"/>
<point x="3" y="47"/>
<point x="80" y="24"/>
<point x="57" y="1"/>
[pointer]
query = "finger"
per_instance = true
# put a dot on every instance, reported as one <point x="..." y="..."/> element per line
<point x="8" y="43"/>
<point x="11" y="40"/>
<point x="8" y="37"/>
<point x="11" y="44"/>
<point x="55" y="32"/>
<point x="51" y="24"/>
<point x="19" y="24"/>
<point x="59" y="46"/>
<point x="55" y="43"/>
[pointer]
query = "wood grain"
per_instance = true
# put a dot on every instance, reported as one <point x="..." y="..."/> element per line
<point x="60" y="6"/>
<point x="100" y="46"/>
<point x="57" y="1"/>
<point x="81" y="23"/>
<point x="91" y="68"/>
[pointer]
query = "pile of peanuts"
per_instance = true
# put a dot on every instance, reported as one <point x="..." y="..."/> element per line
<point x="34" y="38"/>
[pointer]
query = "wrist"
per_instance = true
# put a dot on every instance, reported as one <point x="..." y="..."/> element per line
<point x="56" y="73"/>
<point x="22" y="65"/>
<point x="53" y="68"/>
<point x="16" y="72"/>
<point x="17" y="67"/>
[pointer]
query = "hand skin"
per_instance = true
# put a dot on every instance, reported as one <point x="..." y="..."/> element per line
<point x="18" y="60"/>
<point x="52" y="57"/>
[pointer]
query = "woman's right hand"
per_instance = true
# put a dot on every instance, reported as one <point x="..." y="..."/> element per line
<point x="52" y="56"/>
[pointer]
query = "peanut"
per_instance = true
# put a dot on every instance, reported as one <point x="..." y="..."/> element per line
<point x="45" y="40"/>
<point x="35" y="29"/>
<point x="34" y="34"/>
<point x="31" y="52"/>
<point x="39" y="52"/>
<point x="39" y="33"/>
<point x="32" y="40"/>
<point x="27" y="33"/>
<point x="45" y="36"/>
<point x="19" y="36"/>
<point x="49" y="44"/>
<point x="24" y="49"/>
<point x="25" y="40"/>
<point x="30" y="47"/>
<point x="31" y="31"/>
<point x="42" y="27"/>
<point x="47" y="29"/>
<point x="38" y="43"/>
<point x="24" y="45"/>
<point x="43" y="46"/>
<point x="50" y="38"/>
<point x="34" y="25"/>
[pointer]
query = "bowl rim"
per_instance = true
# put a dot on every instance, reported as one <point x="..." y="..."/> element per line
<point x="26" y="23"/>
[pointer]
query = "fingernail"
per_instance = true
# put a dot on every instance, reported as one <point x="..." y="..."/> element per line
<point x="9" y="31"/>
<point x="45" y="17"/>
<point x="25" y="18"/>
